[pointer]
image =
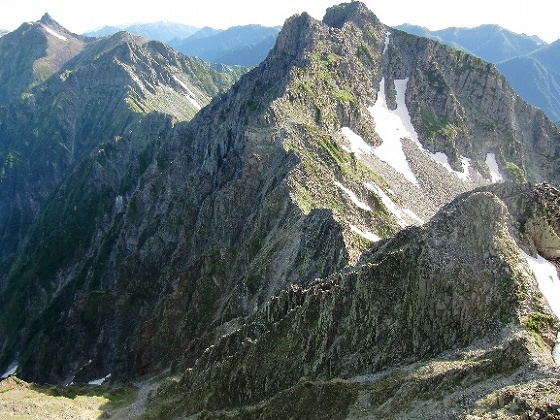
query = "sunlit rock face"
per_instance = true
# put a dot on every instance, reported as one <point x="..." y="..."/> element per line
<point x="298" y="228"/>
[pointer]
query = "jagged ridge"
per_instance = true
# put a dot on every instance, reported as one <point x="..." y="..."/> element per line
<point x="261" y="190"/>
<point x="411" y="298"/>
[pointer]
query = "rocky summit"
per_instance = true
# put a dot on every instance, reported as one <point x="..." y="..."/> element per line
<point x="363" y="226"/>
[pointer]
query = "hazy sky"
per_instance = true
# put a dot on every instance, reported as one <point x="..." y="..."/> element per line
<point x="532" y="17"/>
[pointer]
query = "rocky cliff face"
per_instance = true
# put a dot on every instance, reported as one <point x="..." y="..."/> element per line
<point x="458" y="280"/>
<point x="213" y="232"/>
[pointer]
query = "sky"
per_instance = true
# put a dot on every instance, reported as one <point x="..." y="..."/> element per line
<point x="531" y="17"/>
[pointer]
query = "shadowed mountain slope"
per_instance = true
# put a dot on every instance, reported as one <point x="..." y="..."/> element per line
<point x="94" y="94"/>
<point x="200" y="245"/>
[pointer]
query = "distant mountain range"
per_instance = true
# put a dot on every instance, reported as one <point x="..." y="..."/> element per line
<point x="244" y="45"/>
<point x="62" y="94"/>
<point x="365" y="225"/>
<point x="159" y="31"/>
<point x="489" y="42"/>
<point x="529" y="63"/>
<point x="33" y="53"/>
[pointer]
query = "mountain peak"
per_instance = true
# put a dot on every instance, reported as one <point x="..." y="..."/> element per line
<point x="296" y="34"/>
<point x="355" y="11"/>
<point x="49" y="21"/>
<point x="54" y="28"/>
<point x="296" y="204"/>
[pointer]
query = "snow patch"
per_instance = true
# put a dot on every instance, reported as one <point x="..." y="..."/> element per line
<point x="99" y="381"/>
<point x="547" y="277"/>
<point x="392" y="126"/>
<point x="353" y="196"/>
<point x="357" y="143"/>
<point x="118" y="208"/>
<point x="55" y="34"/>
<point x="132" y="73"/>
<point x="387" y="35"/>
<point x="194" y="102"/>
<point x="12" y="369"/>
<point x="493" y="166"/>
<point x="399" y="213"/>
<point x="190" y="95"/>
<point x="368" y="235"/>
<point x="387" y="202"/>
<point x="443" y="160"/>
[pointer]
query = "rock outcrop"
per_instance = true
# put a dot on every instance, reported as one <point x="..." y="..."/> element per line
<point x="211" y="234"/>
<point x="456" y="285"/>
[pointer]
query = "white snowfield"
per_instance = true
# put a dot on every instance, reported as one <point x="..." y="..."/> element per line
<point x="357" y="144"/>
<point x="400" y="213"/>
<point x="387" y="202"/>
<point x="413" y="216"/>
<point x="547" y="277"/>
<point x="55" y="34"/>
<point x="99" y="381"/>
<point x="392" y="126"/>
<point x="443" y="160"/>
<point x="549" y="285"/>
<point x="386" y="45"/>
<point x="493" y="166"/>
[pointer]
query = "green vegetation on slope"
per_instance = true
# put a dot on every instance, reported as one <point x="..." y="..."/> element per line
<point x="22" y="400"/>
